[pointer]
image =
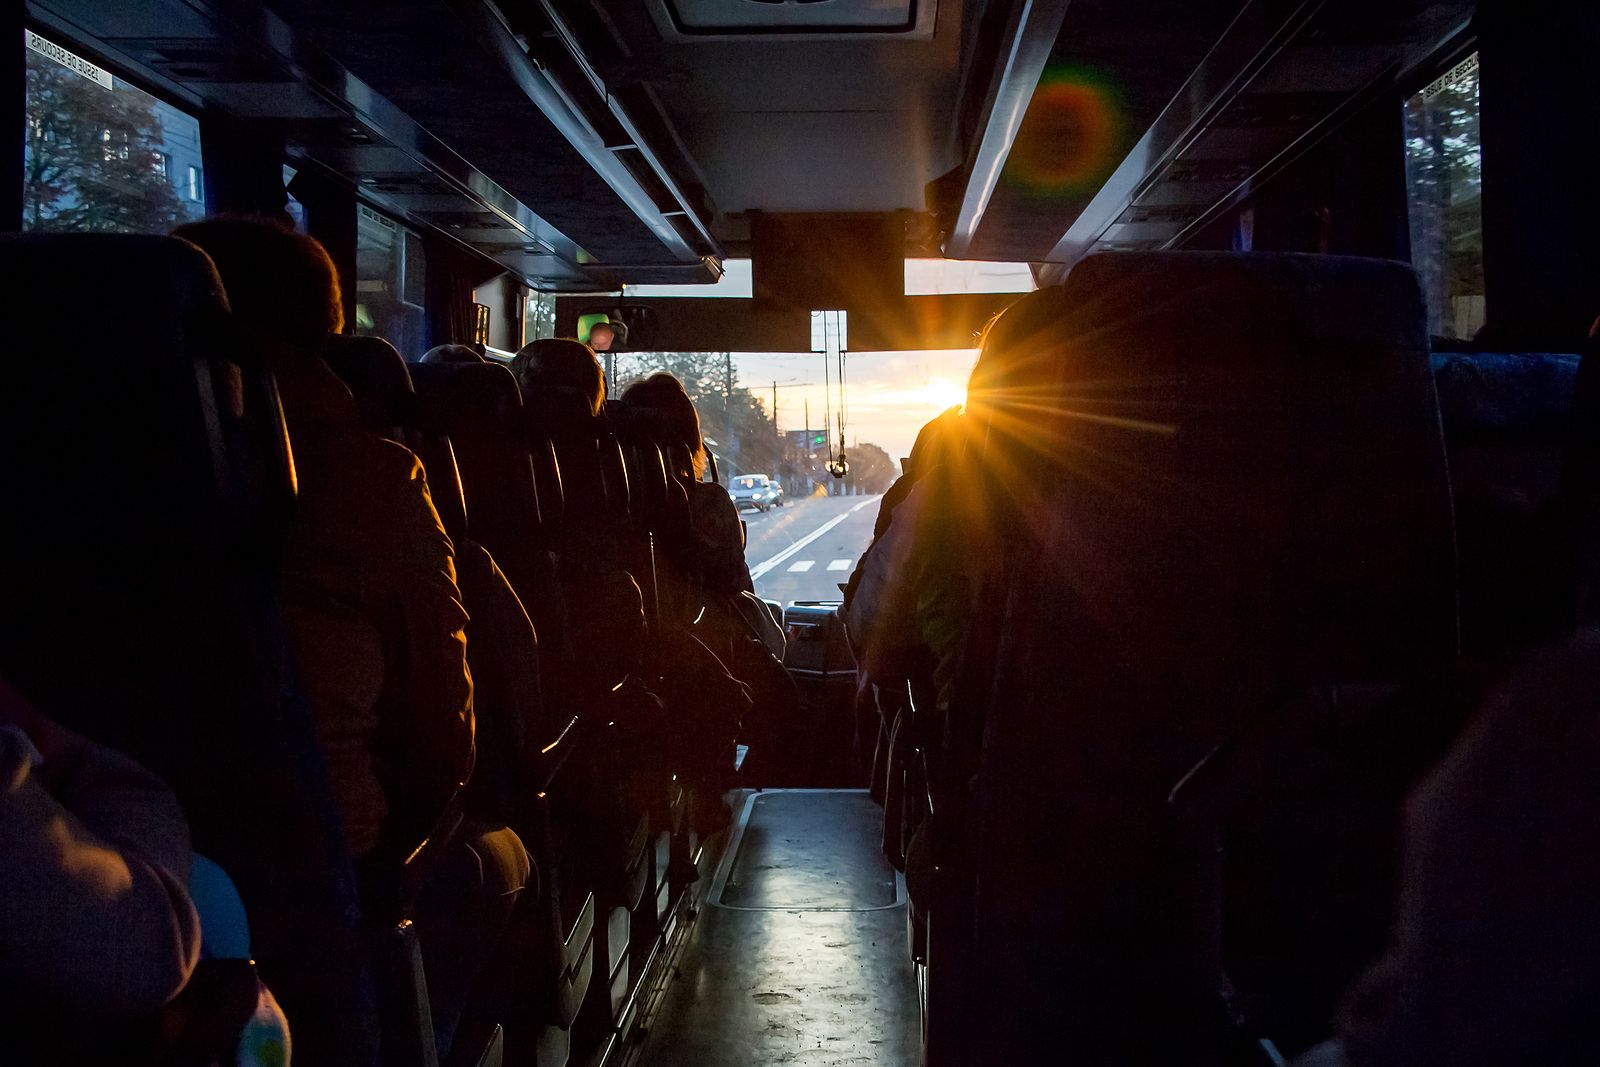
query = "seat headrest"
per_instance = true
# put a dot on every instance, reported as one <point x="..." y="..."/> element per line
<point x="479" y="407"/>
<point x="376" y="373"/>
<point x="1249" y="461"/>
<point x="149" y="452"/>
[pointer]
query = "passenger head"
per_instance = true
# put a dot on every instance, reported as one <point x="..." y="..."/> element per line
<point x="1018" y="349"/>
<point x="932" y="444"/>
<point x="665" y="395"/>
<point x="282" y="285"/>
<point x="602" y="336"/>
<point x="452" y="354"/>
<point x="552" y="363"/>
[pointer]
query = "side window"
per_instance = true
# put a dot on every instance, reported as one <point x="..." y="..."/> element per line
<point x="1444" y="174"/>
<point x="100" y="154"/>
<point x="539" y="316"/>
<point x="390" y="276"/>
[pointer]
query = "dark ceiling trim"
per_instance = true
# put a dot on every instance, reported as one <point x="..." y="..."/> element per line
<point x="1258" y="34"/>
<point x="1029" y="39"/>
<point x="585" y="122"/>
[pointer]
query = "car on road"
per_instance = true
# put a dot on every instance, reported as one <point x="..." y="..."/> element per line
<point x="755" y="491"/>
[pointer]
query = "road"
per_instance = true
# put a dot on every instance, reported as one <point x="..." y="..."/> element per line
<point x="805" y="549"/>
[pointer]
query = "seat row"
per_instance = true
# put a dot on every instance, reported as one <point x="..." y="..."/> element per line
<point x="1218" y="628"/>
<point x="152" y="482"/>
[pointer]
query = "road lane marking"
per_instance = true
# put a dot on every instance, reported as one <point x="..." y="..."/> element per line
<point x="766" y="565"/>
<point x="802" y="566"/>
<point x="839" y="565"/>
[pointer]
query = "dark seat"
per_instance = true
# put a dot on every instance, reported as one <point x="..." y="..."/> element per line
<point x="376" y="375"/>
<point x="146" y="493"/>
<point x="1240" y="515"/>
<point x="604" y="840"/>
<point x="1507" y="422"/>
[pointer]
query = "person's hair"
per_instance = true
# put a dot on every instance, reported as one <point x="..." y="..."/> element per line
<point x="665" y="395"/>
<point x="280" y="283"/>
<point x="933" y="443"/>
<point x="1017" y="346"/>
<point x="560" y="363"/>
<point x="452" y="354"/>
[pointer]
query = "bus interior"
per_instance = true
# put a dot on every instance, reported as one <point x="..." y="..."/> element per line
<point x="1212" y="684"/>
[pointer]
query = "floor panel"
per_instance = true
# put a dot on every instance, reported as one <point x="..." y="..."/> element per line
<point x="799" y="955"/>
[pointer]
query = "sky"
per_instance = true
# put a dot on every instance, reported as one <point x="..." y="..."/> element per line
<point x="890" y="395"/>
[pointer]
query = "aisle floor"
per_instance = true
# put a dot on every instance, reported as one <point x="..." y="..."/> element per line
<point x="799" y="953"/>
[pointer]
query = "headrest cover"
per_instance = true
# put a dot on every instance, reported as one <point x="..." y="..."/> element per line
<point x="375" y="372"/>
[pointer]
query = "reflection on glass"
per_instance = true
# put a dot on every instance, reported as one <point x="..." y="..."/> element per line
<point x="1444" y="172"/>
<point x="539" y="316"/>
<point x="100" y="155"/>
<point x="390" y="275"/>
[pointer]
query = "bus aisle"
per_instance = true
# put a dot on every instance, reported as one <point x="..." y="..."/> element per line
<point x="798" y="955"/>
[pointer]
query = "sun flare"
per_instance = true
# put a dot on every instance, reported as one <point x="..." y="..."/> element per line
<point x="942" y="393"/>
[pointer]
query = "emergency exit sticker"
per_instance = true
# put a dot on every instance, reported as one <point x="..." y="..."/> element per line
<point x="77" y="64"/>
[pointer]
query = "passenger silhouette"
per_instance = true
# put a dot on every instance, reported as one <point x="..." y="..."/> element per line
<point x="559" y="363"/>
<point x="1495" y="958"/>
<point x="96" y="924"/>
<point x="374" y="617"/>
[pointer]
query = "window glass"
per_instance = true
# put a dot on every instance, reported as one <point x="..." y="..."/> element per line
<point x="539" y="316"/>
<point x="390" y="275"/>
<point x="935" y="277"/>
<point x="737" y="282"/>
<point x="1444" y="171"/>
<point x="100" y="155"/>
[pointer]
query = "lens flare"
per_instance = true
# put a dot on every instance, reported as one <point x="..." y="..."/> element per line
<point x="1071" y="137"/>
<point x="942" y="393"/>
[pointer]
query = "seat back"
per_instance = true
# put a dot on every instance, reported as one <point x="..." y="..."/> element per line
<point x="376" y="374"/>
<point x="379" y="378"/>
<point x="1507" y="422"/>
<point x="479" y="407"/>
<point x="1237" y="497"/>
<point x="147" y="489"/>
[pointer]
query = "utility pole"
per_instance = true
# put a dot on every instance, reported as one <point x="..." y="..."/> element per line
<point x="774" y="406"/>
<point x="727" y="383"/>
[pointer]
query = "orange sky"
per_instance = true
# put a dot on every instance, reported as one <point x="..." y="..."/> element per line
<point x="890" y="396"/>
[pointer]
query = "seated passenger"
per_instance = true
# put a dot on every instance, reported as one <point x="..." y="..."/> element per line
<point x="368" y="581"/>
<point x="876" y="618"/>
<point x="452" y="354"/>
<point x="1495" y="957"/>
<point x="713" y="552"/>
<point x="559" y="363"/>
<point x="926" y="604"/>
<point x="96" y="924"/>
<point x="703" y="575"/>
<point x="374" y="616"/>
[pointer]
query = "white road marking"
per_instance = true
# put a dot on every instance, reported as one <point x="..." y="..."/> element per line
<point x="802" y="566"/>
<point x="839" y="565"/>
<point x="766" y="565"/>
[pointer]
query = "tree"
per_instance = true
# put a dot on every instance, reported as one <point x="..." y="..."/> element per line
<point x="93" y="159"/>
<point x="871" y="469"/>
<point x="1444" y="165"/>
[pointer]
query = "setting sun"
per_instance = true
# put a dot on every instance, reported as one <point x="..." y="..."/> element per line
<point x="943" y="393"/>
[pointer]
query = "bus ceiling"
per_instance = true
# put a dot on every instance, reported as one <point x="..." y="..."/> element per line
<point x="582" y="145"/>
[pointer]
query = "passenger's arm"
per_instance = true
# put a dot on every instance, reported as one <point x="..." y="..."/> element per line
<point x="427" y="702"/>
<point x="721" y="538"/>
<point x="94" y="913"/>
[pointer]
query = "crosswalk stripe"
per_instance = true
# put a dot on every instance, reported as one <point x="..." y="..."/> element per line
<point x="766" y="565"/>
<point x="802" y="565"/>
<point x="839" y="565"/>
